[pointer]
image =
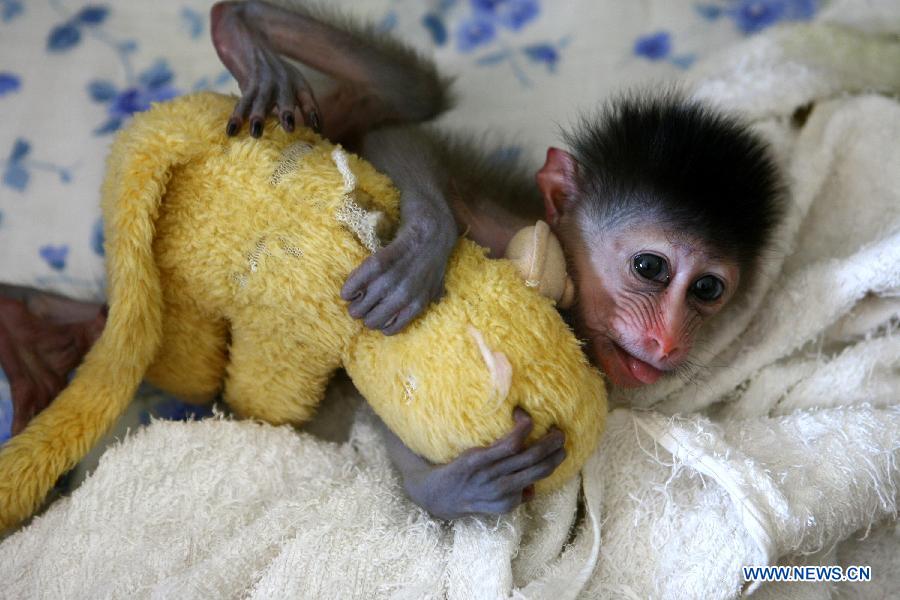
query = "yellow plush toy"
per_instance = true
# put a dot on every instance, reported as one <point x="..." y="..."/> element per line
<point x="225" y="260"/>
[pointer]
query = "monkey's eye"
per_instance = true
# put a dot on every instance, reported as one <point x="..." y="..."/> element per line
<point x="708" y="288"/>
<point x="651" y="266"/>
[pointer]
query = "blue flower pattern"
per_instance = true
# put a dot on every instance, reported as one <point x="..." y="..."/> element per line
<point x="655" y="46"/>
<point x="19" y="164"/>
<point x="748" y="16"/>
<point x="55" y="256"/>
<point x="152" y="85"/>
<point x="752" y="16"/>
<point x="9" y="83"/>
<point x="139" y="91"/>
<point x="10" y="9"/>
<point x="488" y="30"/>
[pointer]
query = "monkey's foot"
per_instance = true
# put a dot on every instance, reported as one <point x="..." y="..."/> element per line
<point x="42" y="339"/>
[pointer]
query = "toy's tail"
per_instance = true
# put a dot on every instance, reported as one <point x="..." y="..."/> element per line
<point x="137" y="173"/>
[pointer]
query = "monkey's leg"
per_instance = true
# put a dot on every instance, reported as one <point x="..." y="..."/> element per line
<point x="274" y="375"/>
<point x="191" y="360"/>
<point x="42" y="339"/>
<point x="379" y="79"/>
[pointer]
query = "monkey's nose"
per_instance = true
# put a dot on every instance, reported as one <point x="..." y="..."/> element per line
<point x="665" y="347"/>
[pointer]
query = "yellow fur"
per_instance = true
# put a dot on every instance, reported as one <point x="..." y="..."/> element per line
<point x="210" y="237"/>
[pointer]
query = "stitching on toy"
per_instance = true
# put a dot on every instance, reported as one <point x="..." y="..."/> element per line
<point x="285" y="244"/>
<point x="410" y="386"/>
<point x="498" y="366"/>
<point x="289" y="159"/>
<point x="361" y="222"/>
<point x="342" y="162"/>
<point x="261" y="250"/>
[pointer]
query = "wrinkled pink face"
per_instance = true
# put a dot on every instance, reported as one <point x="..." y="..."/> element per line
<point x="643" y="290"/>
<point x="643" y="294"/>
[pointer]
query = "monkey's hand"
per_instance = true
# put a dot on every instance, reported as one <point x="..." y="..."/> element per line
<point x="268" y="83"/>
<point x="398" y="282"/>
<point x="490" y="480"/>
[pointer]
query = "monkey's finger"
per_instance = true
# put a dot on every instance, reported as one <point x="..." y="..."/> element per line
<point x="371" y="297"/>
<point x="261" y="106"/>
<point x="403" y="318"/>
<point x="310" y="109"/>
<point x="518" y="481"/>
<point x="385" y="310"/>
<point x="510" y="444"/>
<point x="402" y="289"/>
<point x="285" y="102"/>
<point x="240" y="112"/>
<point x="364" y="274"/>
<point x="535" y="453"/>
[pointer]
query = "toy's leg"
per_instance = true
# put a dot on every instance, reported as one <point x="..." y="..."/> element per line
<point x="274" y="375"/>
<point x="191" y="360"/>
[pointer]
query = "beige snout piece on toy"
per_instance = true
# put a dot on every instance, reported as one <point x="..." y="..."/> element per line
<point x="538" y="256"/>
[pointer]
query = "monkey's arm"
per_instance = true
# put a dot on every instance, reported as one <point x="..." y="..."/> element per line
<point x="380" y="81"/>
<point x="490" y="480"/>
<point x="396" y="283"/>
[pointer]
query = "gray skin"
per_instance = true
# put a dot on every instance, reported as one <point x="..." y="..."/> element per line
<point x="637" y="323"/>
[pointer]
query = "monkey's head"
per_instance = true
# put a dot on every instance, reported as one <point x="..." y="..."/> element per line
<point x="665" y="208"/>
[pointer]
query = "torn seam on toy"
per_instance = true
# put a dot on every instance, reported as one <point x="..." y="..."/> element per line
<point x="410" y="385"/>
<point x="289" y="159"/>
<point x="364" y="224"/>
<point x="498" y="366"/>
<point x="262" y="248"/>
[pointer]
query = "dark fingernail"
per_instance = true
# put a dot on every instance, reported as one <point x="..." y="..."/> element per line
<point x="289" y="122"/>
<point x="314" y="121"/>
<point x="256" y="128"/>
<point x="232" y="128"/>
<point x="528" y="493"/>
<point x="390" y="322"/>
<point x="358" y="295"/>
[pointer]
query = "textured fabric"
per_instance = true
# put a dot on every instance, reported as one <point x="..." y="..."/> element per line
<point x="263" y="512"/>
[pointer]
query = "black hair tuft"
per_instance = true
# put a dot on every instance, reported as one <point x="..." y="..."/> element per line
<point x="664" y="157"/>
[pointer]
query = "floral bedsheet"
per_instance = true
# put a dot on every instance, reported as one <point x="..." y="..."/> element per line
<point x="72" y="72"/>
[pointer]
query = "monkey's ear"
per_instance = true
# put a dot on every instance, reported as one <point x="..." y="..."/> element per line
<point x="557" y="182"/>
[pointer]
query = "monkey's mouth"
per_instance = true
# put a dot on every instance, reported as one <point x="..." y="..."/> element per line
<point x="630" y="371"/>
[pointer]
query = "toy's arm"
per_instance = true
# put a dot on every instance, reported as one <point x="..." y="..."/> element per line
<point x="379" y="81"/>
<point x="490" y="480"/>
